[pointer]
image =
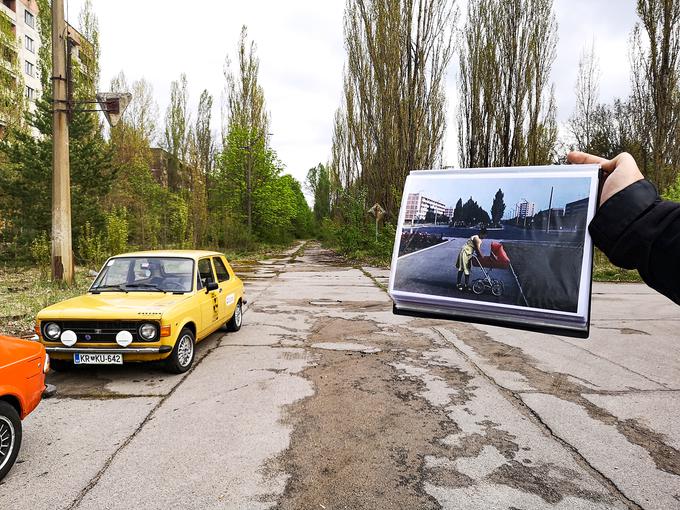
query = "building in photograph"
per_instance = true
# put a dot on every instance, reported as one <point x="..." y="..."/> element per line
<point x="448" y="212"/>
<point x="576" y="214"/>
<point x="524" y="209"/>
<point x="549" y="219"/>
<point x="418" y="204"/>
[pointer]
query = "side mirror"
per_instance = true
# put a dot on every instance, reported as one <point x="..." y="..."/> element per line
<point x="210" y="286"/>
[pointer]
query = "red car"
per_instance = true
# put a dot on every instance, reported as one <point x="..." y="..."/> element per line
<point x="23" y="365"/>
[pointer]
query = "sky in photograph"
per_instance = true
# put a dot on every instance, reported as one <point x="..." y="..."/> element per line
<point x="301" y="51"/>
<point x="536" y="190"/>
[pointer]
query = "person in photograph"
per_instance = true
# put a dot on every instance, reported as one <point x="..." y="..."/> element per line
<point x="634" y="227"/>
<point x="464" y="261"/>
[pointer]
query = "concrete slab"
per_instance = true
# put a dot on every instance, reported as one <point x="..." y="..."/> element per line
<point x="65" y="444"/>
<point x="212" y="437"/>
<point x="629" y="466"/>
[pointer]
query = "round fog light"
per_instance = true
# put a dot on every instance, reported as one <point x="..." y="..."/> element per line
<point x="68" y="338"/>
<point x="124" y="338"/>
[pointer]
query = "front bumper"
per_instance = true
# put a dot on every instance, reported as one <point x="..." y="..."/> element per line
<point x="108" y="350"/>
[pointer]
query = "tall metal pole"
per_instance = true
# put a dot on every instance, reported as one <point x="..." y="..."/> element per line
<point x="547" y="228"/>
<point x="62" y="255"/>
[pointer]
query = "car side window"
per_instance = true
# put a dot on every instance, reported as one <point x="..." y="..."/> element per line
<point x="205" y="272"/>
<point x="220" y="269"/>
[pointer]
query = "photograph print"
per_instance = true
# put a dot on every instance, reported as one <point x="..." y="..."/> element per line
<point x="505" y="238"/>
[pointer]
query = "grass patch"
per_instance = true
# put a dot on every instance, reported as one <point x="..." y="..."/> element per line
<point x="605" y="271"/>
<point x="25" y="291"/>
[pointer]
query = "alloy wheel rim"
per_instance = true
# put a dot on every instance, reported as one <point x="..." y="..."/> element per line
<point x="185" y="350"/>
<point x="237" y="315"/>
<point x="7" y="438"/>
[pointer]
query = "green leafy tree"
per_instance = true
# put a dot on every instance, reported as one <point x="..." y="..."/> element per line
<point x="319" y="183"/>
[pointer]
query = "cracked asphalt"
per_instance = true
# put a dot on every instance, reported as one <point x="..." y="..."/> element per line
<point x="327" y="400"/>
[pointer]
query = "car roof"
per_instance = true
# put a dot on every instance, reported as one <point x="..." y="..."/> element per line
<point x="193" y="254"/>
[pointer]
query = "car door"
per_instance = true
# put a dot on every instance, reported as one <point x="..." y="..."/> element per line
<point x="228" y="298"/>
<point x="208" y="301"/>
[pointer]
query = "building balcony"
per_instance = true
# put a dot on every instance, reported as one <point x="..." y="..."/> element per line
<point x="11" y="14"/>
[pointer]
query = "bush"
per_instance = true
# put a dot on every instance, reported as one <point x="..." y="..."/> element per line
<point x="91" y="246"/>
<point x="40" y="253"/>
<point x="116" y="231"/>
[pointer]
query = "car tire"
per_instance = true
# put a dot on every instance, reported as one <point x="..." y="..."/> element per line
<point x="10" y="437"/>
<point x="234" y="324"/>
<point x="61" y="365"/>
<point x="182" y="356"/>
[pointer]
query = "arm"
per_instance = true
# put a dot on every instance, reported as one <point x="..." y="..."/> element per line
<point x="634" y="227"/>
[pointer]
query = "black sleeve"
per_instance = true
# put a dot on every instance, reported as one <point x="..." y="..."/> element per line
<point x="638" y="230"/>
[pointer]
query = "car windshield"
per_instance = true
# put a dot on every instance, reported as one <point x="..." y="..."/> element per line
<point x="145" y="274"/>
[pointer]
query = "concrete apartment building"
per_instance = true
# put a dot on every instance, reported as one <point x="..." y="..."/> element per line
<point x="524" y="209"/>
<point x="20" y="23"/>
<point x="418" y="204"/>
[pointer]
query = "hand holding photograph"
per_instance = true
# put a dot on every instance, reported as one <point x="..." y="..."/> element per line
<point x="503" y="246"/>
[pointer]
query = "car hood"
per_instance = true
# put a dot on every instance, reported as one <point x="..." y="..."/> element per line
<point x="113" y="305"/>
<point x="13" y="350"/>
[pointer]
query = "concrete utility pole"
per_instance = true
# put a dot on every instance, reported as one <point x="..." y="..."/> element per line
<point x="62" y="254"/>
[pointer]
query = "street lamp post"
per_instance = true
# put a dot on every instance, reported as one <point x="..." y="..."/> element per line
<point x="62" y="254"/>
<point x="112" y="104"/>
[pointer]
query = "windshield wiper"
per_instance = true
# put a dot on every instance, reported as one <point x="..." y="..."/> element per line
<point x="146" y="285"/>
<point x="99" y="288"/>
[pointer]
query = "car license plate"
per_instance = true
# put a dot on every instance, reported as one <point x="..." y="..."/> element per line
<point x="97" y="359"/>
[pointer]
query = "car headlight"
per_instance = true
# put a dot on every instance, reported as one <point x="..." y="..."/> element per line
<point x="52" y="331"/>
<point x="148" y="331"/>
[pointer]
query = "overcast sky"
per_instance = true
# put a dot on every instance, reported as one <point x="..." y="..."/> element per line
<point x="300" y="46"/>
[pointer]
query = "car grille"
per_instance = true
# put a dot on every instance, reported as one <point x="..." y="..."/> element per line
<point x="103" y="331"/>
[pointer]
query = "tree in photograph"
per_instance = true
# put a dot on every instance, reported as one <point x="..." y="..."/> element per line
<point x="458" y="211"/>
<point x="392" y="116"/>
<point x="497" y="208"/>
<point x="655" y="98"/>
<point x="582" y="123"/>
<point x="507" y="109"/>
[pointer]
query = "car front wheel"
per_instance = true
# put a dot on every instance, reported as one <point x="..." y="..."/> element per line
<point x="182" y="356"/>
<point x="10" y="437"/>
<point x="236" y="320"/>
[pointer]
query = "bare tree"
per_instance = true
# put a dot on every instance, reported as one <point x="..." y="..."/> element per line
<point x="655" y="97"/>
<point x="587" y="89"/>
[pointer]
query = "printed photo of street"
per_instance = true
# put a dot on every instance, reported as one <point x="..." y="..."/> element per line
<point x="531" y="231"/>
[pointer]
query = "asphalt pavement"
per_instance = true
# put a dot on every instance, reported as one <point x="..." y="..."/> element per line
<point x="326" y="400"/>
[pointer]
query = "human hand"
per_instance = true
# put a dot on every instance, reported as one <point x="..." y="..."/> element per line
<point x="619" y="173"/>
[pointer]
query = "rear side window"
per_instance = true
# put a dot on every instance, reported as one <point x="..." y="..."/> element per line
<point x="221" y="270"/>
<point x="205" y="272"/>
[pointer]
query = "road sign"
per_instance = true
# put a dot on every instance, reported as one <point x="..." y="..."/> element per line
<point x="113" y="105"/>
<point x="377" y="211"/>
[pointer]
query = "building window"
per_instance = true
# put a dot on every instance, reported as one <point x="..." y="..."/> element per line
<point x="30" y="94"/>
<point x="29" y="69"/>
<point x="29" y="19"/>
<point x="29" y="43"/>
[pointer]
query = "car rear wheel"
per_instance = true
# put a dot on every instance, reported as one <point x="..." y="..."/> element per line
<point x="236" y="320"/>
<point x="182" y="356"/>
<point x="10" y="437"/>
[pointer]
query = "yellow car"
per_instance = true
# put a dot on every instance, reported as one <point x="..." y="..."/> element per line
<point x="145" y="306"/>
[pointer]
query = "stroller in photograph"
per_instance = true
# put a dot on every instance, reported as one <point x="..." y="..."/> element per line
<point x="497" y="260"/>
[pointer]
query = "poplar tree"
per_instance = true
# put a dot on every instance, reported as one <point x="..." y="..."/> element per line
<point x="507" y="108"/>
<point x="393" y="112"/>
